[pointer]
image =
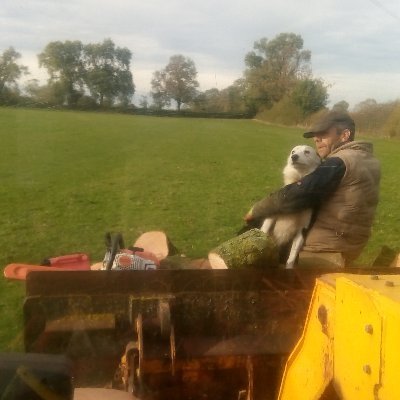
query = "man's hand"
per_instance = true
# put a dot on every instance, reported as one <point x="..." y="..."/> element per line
<point x="250" y="222"/>
<point x="249" y="216"/>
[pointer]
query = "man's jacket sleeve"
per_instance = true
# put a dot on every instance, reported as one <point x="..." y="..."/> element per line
<point x="306" y="193"/>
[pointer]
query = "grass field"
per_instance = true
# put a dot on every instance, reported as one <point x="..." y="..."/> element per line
<point x="68" y="177"/>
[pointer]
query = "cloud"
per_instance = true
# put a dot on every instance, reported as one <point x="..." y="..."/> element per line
<point x="357" y="87"/>
<point x="354" y="43"/>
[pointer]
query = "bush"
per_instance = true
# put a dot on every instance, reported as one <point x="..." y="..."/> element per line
<point x="371" y="117"/>
<point x="392" y="126"/>
<point x="285" y="112"/>
<point x="87" y="102"/>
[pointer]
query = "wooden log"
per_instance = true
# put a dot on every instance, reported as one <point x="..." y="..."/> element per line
<point x="183" y="262"/>
<point x="250" y="249"/>
<point x="158" y="243"/>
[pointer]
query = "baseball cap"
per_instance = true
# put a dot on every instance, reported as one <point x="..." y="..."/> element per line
<point x="331" y="118"/>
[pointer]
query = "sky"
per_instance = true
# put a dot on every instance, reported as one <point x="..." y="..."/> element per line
<point x="355" y="44"/>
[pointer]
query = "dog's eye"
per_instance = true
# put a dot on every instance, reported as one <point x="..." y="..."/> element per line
<point x="306" y="151"/>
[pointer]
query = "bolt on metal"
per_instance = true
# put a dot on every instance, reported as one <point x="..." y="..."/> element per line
<point x="369" y="329"/>
<point x="367" y="369"/>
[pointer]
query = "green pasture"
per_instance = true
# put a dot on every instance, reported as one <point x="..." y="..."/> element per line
<point x="68" y="177"/>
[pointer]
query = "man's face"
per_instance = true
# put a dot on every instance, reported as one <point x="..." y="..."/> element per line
<point x="326" y="142"/>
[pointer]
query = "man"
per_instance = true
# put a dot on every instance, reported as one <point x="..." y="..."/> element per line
<point x="343" y="191"/>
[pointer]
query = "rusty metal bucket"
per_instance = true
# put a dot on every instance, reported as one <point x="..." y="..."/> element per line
<point x="171" y="334"/>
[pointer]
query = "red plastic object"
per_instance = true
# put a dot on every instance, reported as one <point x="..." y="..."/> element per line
<point x="20" y="271"/>
<point x="75" y="261"/>
<point x="69" y="262"/>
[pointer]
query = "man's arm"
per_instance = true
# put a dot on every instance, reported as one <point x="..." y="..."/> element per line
<point x="306" y="193"/>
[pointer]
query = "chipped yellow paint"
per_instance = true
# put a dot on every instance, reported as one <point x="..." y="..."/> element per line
<point x="354" y="345"/>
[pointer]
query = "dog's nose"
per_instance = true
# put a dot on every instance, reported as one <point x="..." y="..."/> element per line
<point x="295" y="157"/>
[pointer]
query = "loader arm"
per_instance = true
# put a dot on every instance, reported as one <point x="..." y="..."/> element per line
<point x="350" y="345"/>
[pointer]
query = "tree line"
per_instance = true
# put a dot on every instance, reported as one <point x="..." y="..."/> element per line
<point x="96" y="73"/>
<point x="275" y="69"/>
<point x="100" y="74"/>
<point x="277" y="84"/>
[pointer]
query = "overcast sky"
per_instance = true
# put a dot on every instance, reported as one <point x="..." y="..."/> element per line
<point x="355" y="44"/>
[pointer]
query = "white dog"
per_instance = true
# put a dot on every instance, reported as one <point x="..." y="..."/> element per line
<point x="285" y="228"/>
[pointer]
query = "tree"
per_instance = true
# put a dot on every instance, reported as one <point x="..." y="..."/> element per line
<point x="233" y="98"/>
<point x="177" y="81"/>
<point x="107" y="72"/>
<point x="159" y="94"/>
<point x="228" y="100"/>
<point x="274" y="67"/>
<point x="342" y="105"/>
<point x="311" y="95"/>
<point x="64" y="63"/>
<point x="51" y="94"/>
<point x="366" y="106"/>
<point x="144" y="102"/>
<point x="10" y="72"/>
<point x="208" y="101"/>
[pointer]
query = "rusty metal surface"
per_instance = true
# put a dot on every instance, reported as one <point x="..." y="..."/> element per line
<point x="193" y="326"/>
<point x="163" y="281"/>
<point x="170" y="281"/>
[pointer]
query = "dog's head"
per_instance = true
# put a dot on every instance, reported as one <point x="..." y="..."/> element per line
<point x="302" y="160"/>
